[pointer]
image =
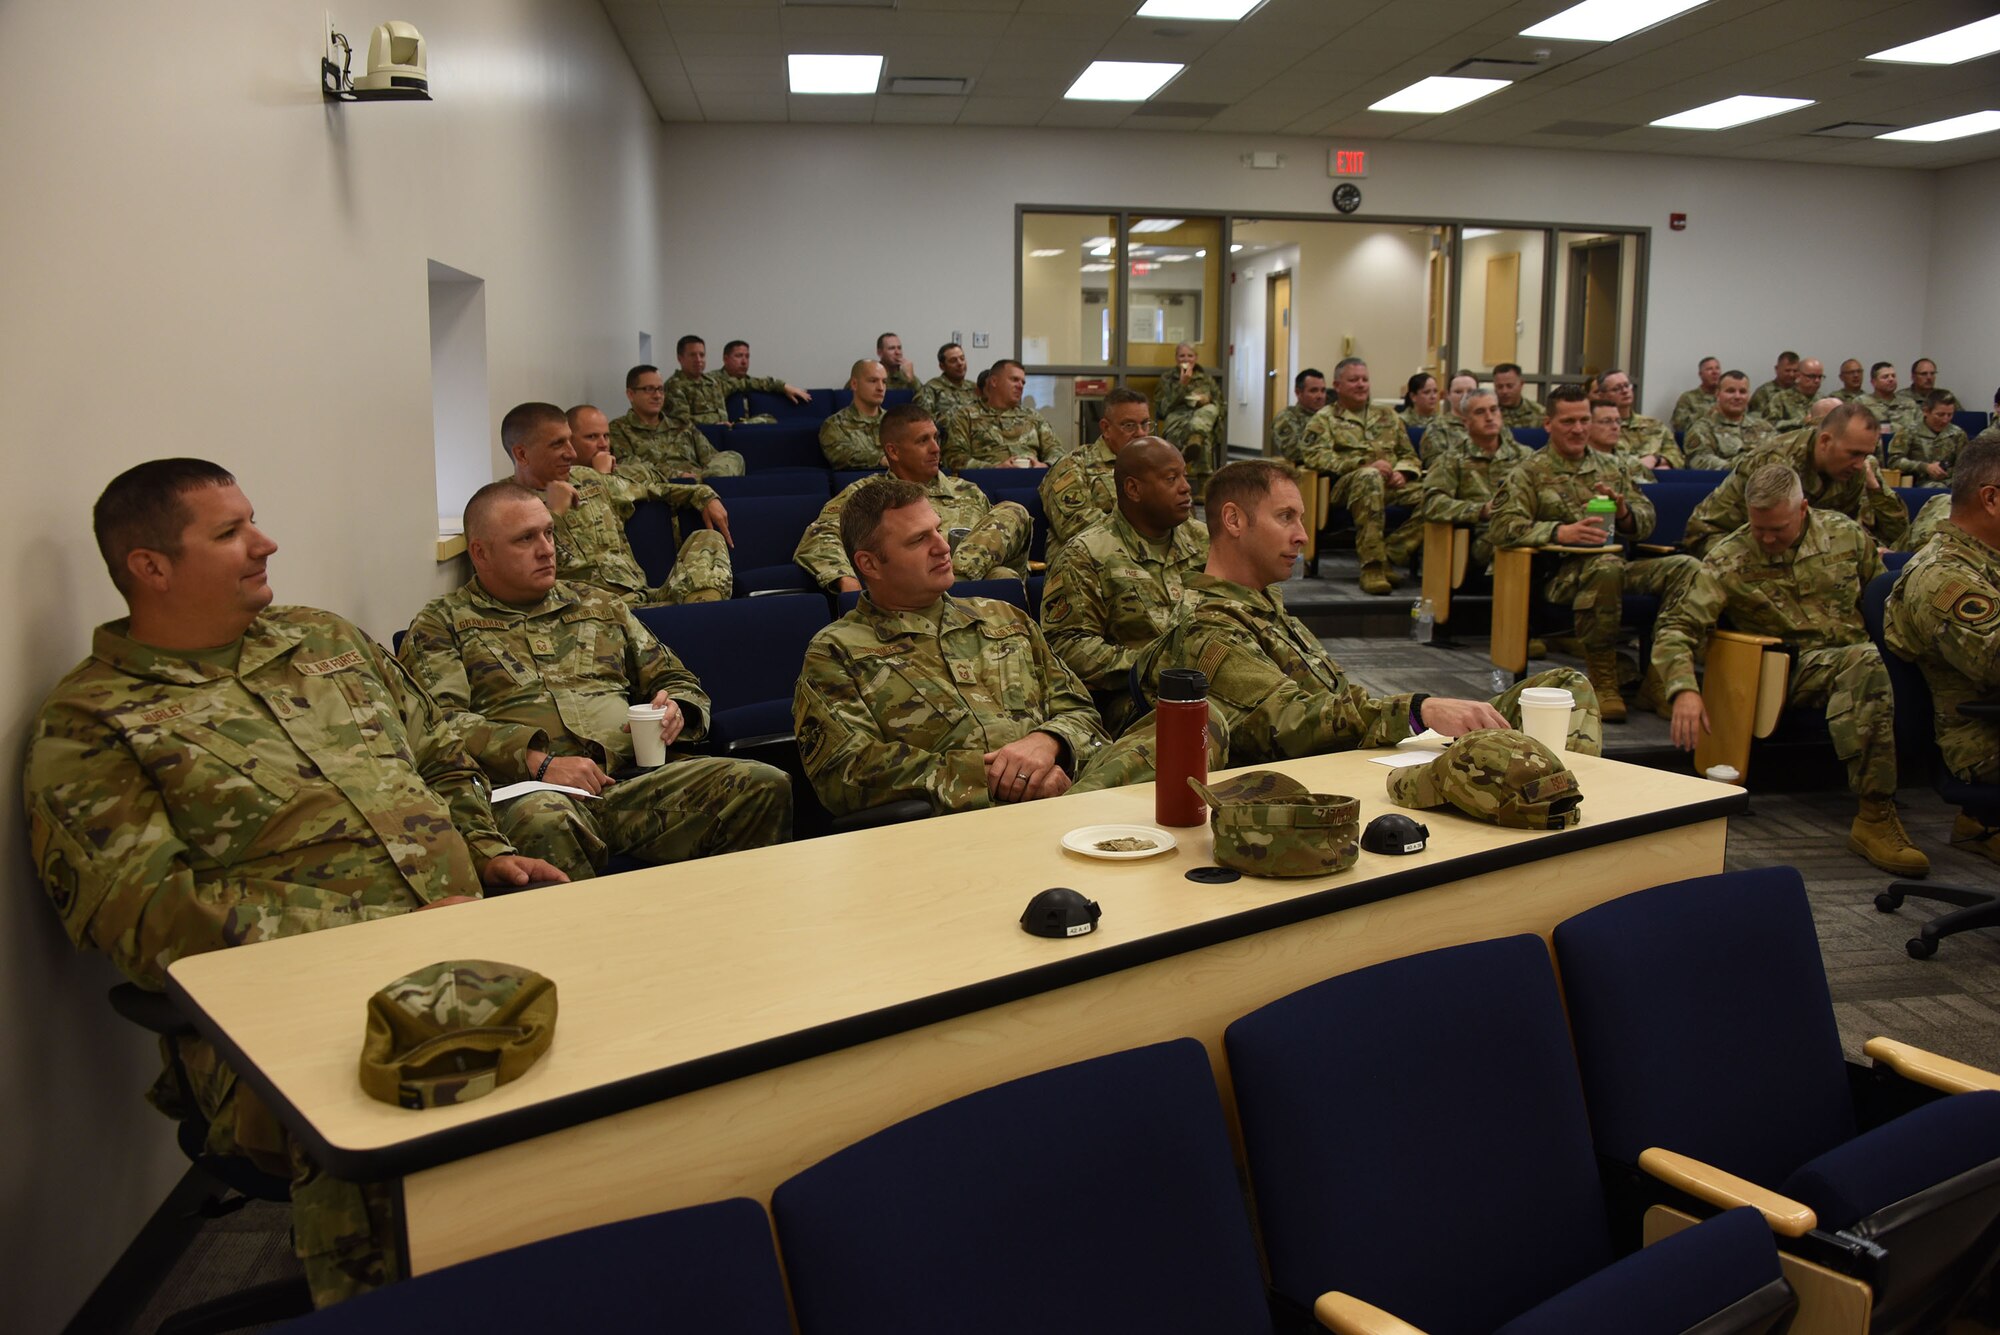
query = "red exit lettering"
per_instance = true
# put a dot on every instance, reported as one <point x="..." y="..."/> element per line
<point x="1350" y="162"/>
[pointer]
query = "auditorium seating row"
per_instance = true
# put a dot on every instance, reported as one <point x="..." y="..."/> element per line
<point x="1457" y="1138"/>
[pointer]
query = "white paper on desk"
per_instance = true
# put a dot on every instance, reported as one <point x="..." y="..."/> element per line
<point x="1430" y="739"/>
<point x="526" y="786"/>
<point x="1405" y="759"/>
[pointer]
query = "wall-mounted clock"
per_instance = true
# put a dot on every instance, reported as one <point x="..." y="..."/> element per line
<point x="1347" y="197"/>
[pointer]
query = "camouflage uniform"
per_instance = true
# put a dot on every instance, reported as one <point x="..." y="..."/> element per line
<point x="1846" y="395"/>
<point x="705" y="398"/>
<point x="1760" y="398"/>
<point x="591" y="547"/>
<point x="556" y="677"/>
<point x="1283" y="696"/>
<point x="1288" y="431"/>
<point x="1723" y="510"/>
<point x="1942" y="616"/>
<point x="1548" y="491"/>
<point x="986" y="437"/>
<point x="898" y="705"/>
<point x="1715" y="442"/>
<point x="1190" y="413"/>
<point x="1461" y="482"/>
<point x="1809" y="596"/>
<point x="1925" y="526"/>
<point x="178" y="804"/>
<point x="944" y="398"/>
<point x="1343" y="443"/>
<point x="1914" y="446"/>
<point x="1639" y="435"/>
<point x="1992" y="432"/>
<point x="1413" y="420"/>
<point x="851" y="439"/>
<point x="1900" y="412"/>
<point x="672" y="446"/>
<point x="902" y="377"/>
<point x="1526" y="413"/>
<point x="1786" y="410"/>
<point x="1078" y="491"/>
<point x="1913" y="403"/>
<point x="1450" y="435"/>
<point x="1109" y="595"/>
<point x="996" y="547"/>
<point x="1693" y="405"/>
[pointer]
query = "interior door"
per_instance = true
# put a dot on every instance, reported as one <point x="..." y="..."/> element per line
<point x="1277" y="347"/>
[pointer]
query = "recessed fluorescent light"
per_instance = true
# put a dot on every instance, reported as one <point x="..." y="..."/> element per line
<point x="1948" y="48"/>
<point x="1608" y="20"/>
<point x="1958" y="127"/>
<point x="835" y="74"/>
<point x="1042" y="254"/>
<point x="1175" y="259"/>
<point x="1233" y="249"/>
<point x="1739" y="110"/>
<point x="1121" y="80"/>
<point x="1201" y="254"/>
<point x="1094" y="268"/>
<point x="1222" y="10"/>
<point x="1101" y="251"/>
<point x="1472" y="232"/>
<point x="1439" y="93"/>
<point x="1157" y="224"/>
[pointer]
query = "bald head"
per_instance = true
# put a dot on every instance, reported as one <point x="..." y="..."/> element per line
<point x="1153" y="493"/>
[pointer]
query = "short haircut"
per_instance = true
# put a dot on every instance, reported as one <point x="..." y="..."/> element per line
<point x="1505" y="367"/>
<point x="1310" y="373"/>
<point x="632" y="376"/>
<point x="1005" y="362"/>
<point x="479" y="510"/>
<point x="1243" y="482"/>
<point x="1124" y="395"/>
<point x="1599" y="401"/>
<point x="145" y="507"/>
<point x="979" y="382"/>
<point x="1879" y="367"/>
<point x="1787" y="356"/>
<point x="1773" y="485"/>
<point x="524" y="419"/>
<point x="574" y="413"/>
<point x="1461" y="371"/>
<point x="1346" y="362"/>
<point x="687" y="341"/>
<point x="1566" y="394"/>
<point x="880" y="339"/>
<point x="1922" y="361"/>
<point x="901" y="422"/>
<point x="854" y="371"/>
<point x="943" y="348"/>
<point x="1840" y="418"/>
<point x="733" y="344"/>
<point x="1476" y="392"/>
<point x="1706" y="360"/>
<point x="1603" y="376"/>
<point x="1938" y="398"/>
<point x="1736" y="375"/>
<point x="861" y="515"/>
<point x="1978" y="466"/>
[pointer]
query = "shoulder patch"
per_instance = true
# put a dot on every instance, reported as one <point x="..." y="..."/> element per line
<point x="1212" y="658"/>
<point x="340" y="662"/>
<point x="1056" y="608"/>
<point x="1973" y="609"/>
<point x="1948" y="594"/>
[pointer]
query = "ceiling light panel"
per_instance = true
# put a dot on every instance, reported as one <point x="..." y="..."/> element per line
<point x="1042" y="254"/>
<point x="1217" y="10"/>
<point x="1731" y="111"/>
<point x="1608" y="20"/>
<point x="1438" y="94"/>
<point x="1121" y="80"/>
<point x="1157" y="224"/>
<point x="835" y="74"/>
<point x="1958" y="127"/>
<point x="1948" y="48"/>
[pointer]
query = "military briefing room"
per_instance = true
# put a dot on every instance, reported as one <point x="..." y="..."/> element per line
<point x="331" y="259"/>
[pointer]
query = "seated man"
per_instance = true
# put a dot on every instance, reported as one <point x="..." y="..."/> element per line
<point x="988" y="541"/>
<point x="1784" y="375"/>
<point x="1607" y="438"/>
<point x="1696" y="403"/>
<point x="1078" y="490"/>
<point x="220" y="772"/>
<point x="917" y="694"/>
<point x="649" y="434"/>
<point x="1363" y="447"/>
<point x="1112" y="588"/>
<point x="1944" y="616"/>
<point x="1850" y="389"/>
<point x="889" y="352"/>
<point x="1796" y="573"/>
<point x="1881" y="397"/>
<point x="534" y="675"/>
<point x="1188" y="406"/>
<point x="591" y="503"/>
<point x="1453" y="433"/>
<point x="1926" y="523"/>
<point x="1730" y="432"/>
<point x="996" y="431"/>
<point x="696" y="394"/>
<point x="1269" y="678"/>
<point x="852" y="437"/>
<point x="1645" y="439"/>
<point x="945" y="393"/>
<point x="1789" y="409"/>
<point x="1923" y="383"/>
<point x="1542" y="502"/>
<point x="1516" y="408"/>
<point x="1924" y="453"/>
<point x="1836" y="472"/>
<point x="1462" y="486"/>
<point x="1288" y="428"/>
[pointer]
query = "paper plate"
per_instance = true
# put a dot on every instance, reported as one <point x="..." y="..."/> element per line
<point x="1087" y="839"/>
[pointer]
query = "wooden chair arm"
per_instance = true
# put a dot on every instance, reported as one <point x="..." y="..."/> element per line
<point x="1738" y="637"/>
<point x="1927" y="1068"/>
<point x="1564" y="549"/>
<point x="1513" y="576"/>
<point x="1656" y="548"/>
<point x="1787" y="1217"/>
<point x="1348" y="1315"/>
<point x="1445" y="546"/>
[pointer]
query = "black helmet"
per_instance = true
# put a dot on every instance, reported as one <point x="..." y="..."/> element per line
<point x="1393" y="832"/>
<point x="1059" y="912"/>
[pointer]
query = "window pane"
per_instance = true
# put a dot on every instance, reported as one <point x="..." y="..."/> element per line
<point x="1175" y="289"/>
<point x="1500" y="300"/>
<point x="1596" y="278"/>
<point x="1069" y="309"/>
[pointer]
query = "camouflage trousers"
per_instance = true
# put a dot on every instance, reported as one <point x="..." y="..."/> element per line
<point x="701" y="573"/>
<point x="997" y="546"/>
<point x="690" y="807"/>
<point x="723" y="463"/>
<point x="1134" y="757"/>
<point x="1586" y="729"/>
<point x="1853" y="686"/>
<point x="1364" y="492"/>
<point x="1193" y="431"/>
<point x="1593" y="587"/>
<point x="1712" y="461"/>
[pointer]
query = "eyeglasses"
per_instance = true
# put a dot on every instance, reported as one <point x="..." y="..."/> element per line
<point x="649" y="389"/>
<point x="1144" y="428"/>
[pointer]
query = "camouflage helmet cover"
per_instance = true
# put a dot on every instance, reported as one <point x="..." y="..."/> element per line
<point x="453" y="1031"/>
<point x="1498" y="775"/>
<point x="1267" y="824"/>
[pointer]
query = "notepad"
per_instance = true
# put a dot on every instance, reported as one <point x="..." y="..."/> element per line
<point x="526" y="786"/>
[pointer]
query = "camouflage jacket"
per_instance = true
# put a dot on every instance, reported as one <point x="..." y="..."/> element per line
<point x="902" y="377"/>
<point x="1411" y="418"/>
<point x="1450" y="435"/>
<point x="555" y="676"/>
<point x="1639" y="435"/>
<point x="1693" y="405"/>
<point x="1724" y="511"/>
<point x="1914" y="405"/>
<point x="1077" y="491"/>
<point x="1916" y="445"/>
<point x="850" y="440"/>
<point x="986" y="437"/>
<point x="175" y="806"/>
<point x="1110" y="593"/>
<point x="1338" y="440"/>
<point x="1927" y="522"/>
<point x="1288" y="431"/>
<point x="1726" y="440"/>
<point x="1846" y="395"/>
<point x="705" y="398"/>
<point x="1901" y="412"/>
<point x="1944" y="616"/>
<point x="1461" y="482"/>
<point x="1175" y="396"/>
<point x="944" y="398"/>
<point x="1785" y="410"/>
<point x="1760" y="398"/>
<point x="1272" y="681"/>
<point x="671" y="444"/>
<point x="958" y="503"/>
<point x="1548" y="491"/>
<point x="1809" y="595"/>
<point x="1526" y="413"/>
<point x="896" y="705"/>
<point x="591" y="547"/>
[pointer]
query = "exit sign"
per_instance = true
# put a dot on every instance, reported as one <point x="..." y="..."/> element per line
<point x="1347" y="162"/>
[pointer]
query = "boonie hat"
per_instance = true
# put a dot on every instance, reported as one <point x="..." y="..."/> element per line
<point x="1267" y="824"/>
<point x="1498" y="775"/>
<point x="453" y="1031"/>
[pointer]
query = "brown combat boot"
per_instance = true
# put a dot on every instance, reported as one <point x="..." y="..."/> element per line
<point x="1878" y="835"/>
<point x="1376" y="578"/>
<point x="1601" y="666"/>
<point x="1977" y="836"/>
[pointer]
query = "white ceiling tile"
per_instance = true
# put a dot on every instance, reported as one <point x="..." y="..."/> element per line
<point x="992" y="110"/>
<point x="892" y="109"/>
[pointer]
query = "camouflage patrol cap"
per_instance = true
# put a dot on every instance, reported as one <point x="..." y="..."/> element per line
<point x="1495" y="774"/>
<point x="1267" y="824"/>
<point x="451" y="1032"/>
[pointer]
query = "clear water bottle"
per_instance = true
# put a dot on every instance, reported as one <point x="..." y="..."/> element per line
<point x="1497" y="679"/>
<point x="1423" y="621"/>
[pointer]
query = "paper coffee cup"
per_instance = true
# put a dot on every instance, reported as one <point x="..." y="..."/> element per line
<point x="1545" y="712"/>
<point x="1723" y="773"/>
<point x="647" y="748"/>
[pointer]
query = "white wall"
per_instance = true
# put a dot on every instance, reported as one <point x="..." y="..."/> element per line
<point x="216" y="263"/>
<point x="1962" y="333"/>
<point x="1249" y="390"/>
<point x="1479" y="252"/>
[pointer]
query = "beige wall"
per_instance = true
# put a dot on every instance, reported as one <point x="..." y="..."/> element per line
<point x="202" y="258"/>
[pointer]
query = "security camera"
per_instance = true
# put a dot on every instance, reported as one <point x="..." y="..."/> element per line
<point x="395" y="60"/>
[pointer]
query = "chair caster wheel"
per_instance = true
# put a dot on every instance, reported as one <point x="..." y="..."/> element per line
<point x="1888" y="903"/>
<point x="1919" y="948"/>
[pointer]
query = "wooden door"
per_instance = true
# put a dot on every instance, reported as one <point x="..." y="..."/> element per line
<point x="1277" y="347"/>
<point x="1503" y="309"/>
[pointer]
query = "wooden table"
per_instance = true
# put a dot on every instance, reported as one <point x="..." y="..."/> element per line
<point x="725" y="1023"/>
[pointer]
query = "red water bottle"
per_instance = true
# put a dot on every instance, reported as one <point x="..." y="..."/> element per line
<point x="1181" y="732"/>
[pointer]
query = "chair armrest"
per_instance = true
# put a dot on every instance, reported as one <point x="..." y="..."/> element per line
<point x="1656" y="548"/>
<point x="1987" y="710"/>
<point x="752" y="743"/>
<point x="889" y="813"/>
<point x="1568" y="550"/>
<point x="1348" y="1315"/>
<point x="1738" y="637"/>
<point x="1927" y="1068"/>
<point x="1038" y="567"/>
<point x="1725" y="1190"/>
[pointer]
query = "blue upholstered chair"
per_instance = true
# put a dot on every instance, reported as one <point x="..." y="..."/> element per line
<point x="1673" y="501"/>
<point x="707" y="1268"/>
<point x="789" y="444"/>
<point x="1094" y="1198"/>
<point x="1418" y="1146"/>
<point x="766" y="531"/>
<point x="1711" y="1062"/>
<point x="747" y="653"/>
<point x="772" y="482"/>
<point x="759" y="404"/>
